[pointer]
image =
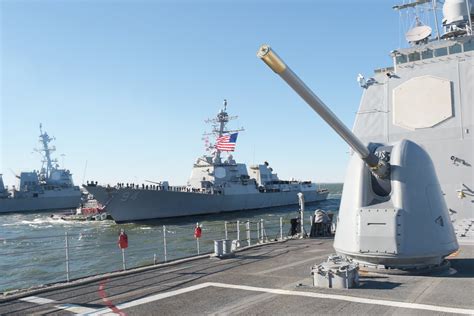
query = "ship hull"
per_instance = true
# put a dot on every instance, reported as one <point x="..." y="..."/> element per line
<point x="128" y="205"/>
<point x="30" y="204"/>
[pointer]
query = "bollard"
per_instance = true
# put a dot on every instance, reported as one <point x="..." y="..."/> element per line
<point x="281" y="228"/>
<point x="154" y="259"/>
<point x="262" y="230"/>
<point x="238" y="232"/>
<point x="164" y="243"/>
<point x="197" y="243"/>
<point x="247" y="227"/>
<point x="225" y="229"/>
<point x="67" y="255"/>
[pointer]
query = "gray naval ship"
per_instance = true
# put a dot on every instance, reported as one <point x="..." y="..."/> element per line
<point x="51" y="188"/>
<point x="427" y="97"/>
<point x="216" y="185"/>
<point x="422" y="107"/>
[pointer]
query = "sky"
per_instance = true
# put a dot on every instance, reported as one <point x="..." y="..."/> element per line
<point x="125" y="86"/>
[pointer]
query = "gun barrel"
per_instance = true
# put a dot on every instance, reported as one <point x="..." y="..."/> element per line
<point x="278" y="66"/>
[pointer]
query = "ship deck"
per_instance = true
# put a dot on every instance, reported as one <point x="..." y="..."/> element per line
<point x="273" y="279"/>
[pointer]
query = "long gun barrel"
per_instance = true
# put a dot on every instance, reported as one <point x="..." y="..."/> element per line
<point x="278" y="66"/>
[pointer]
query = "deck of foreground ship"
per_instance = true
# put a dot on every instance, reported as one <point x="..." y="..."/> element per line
<point x="273" y="279"/>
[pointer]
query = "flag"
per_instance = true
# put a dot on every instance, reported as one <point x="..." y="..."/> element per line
<point x="226" y="142"/>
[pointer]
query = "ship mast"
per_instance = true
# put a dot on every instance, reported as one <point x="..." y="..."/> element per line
<point x="45" y="152"/>
<point x="219" y="124"/>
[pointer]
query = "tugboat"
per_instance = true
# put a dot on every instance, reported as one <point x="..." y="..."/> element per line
<point x="216" y="185"/>
<point x="51" y="188"/>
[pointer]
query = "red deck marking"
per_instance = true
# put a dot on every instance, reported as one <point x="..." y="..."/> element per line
<point x="107" y="302"/>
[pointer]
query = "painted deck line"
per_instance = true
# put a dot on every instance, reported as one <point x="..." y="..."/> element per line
<point x="37" y="300"/>
<point x="353" y="299"/>
<point x="73" y="308"/>
<point x="152" y="298"/>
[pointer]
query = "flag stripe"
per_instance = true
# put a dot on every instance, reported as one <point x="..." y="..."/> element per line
<point x="226" y="142"/>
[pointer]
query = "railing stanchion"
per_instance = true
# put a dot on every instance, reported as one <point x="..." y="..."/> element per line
<point x="154" y="259"/>
<point x="238" y="232"/>
<point x="258" y="232"/>
<point x="225" y="229"/>
<point x="281" y="228"/>
<point x="164" y="243"/>
<point x="247" y="227"/>
<point x="66" y="239"/>
<point x="123" y="259"/>
<point x="197" y="244"/>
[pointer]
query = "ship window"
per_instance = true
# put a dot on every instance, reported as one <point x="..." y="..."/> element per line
<point x="468" y="46"/>
<point x="456" y="48"/>
<point x="414" y="56"/>
<point x="443" y="51"/>
<point x="427" y="54"/>
<point x="401" y="59"/>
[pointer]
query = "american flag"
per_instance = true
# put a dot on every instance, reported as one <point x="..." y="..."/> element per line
<point x="226" y="142"/>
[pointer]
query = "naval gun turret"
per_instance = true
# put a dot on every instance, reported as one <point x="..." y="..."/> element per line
<point x="392" y="212"/>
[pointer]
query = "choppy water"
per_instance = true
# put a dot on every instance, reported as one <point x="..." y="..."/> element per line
<point x="33" y="252"/>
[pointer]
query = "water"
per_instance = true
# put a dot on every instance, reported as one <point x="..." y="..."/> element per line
<point x="33" y="252"/>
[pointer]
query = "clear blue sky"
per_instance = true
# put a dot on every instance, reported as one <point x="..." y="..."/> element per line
<point x="127" y="85"/>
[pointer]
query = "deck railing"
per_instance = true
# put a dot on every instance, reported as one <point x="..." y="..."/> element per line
<point x="31" y="262"/>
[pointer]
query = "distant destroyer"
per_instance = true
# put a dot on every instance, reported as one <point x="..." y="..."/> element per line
<point x="51" y="188"/>
<point x="216" y="185"/>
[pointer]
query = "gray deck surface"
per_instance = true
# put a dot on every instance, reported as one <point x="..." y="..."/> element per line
<point x="205" y="288"/>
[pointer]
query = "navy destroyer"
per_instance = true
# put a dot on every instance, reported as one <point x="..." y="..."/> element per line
<point x="216" y="185"/>
<point x="50" y="188"/>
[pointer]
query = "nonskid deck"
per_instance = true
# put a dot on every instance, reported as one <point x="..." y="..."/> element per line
<point x="268" y="280"/>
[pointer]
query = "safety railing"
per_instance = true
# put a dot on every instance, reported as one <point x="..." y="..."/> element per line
<point x="31" y="262"/>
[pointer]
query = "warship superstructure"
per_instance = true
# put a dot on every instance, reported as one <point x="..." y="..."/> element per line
<point x="216" y="185"/>
<point x="50" y="188"/>
<point x="427" y="96"/>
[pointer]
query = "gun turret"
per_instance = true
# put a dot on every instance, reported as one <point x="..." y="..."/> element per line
<point x="381" y="213"/>
<point x="378" y="166"/>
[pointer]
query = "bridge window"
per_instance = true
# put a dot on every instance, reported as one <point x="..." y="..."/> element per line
<point x="468" y="46"/>
<point x="401" y="59"/>
<point x="443" y="51"/>
<point x="427" y="54"/>
<point x="414" y="56"/>
<point x="456" y="48"/>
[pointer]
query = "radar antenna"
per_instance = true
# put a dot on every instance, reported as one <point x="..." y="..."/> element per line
<point x="419" y="33"/>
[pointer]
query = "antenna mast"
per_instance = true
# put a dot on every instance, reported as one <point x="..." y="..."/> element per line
<point x="46" y="151"/>
<point x="219" y="124"/>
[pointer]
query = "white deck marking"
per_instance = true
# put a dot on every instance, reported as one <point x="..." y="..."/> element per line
<point x="361" y="300"/>
<point x="37" y="300"/>
<point x="152" y="298"/>
<point x="77" y="309"/>
<point x="354" y="299"/>
<point x="90" y="311"/>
